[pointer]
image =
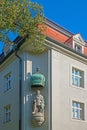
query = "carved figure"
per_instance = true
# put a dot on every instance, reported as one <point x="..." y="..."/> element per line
<point x="38" y="103"/>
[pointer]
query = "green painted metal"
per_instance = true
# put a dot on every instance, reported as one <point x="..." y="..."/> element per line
<point x="37" y="79"/>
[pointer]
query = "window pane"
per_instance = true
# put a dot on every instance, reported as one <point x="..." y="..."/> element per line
<point x="77" y="77"/>
<point x="8" y="84"/>
<point x="77" y="110"/>
<point x="78" y="48"/>
<point x="7" y="113"/>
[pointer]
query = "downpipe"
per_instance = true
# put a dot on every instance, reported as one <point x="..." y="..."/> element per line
<point x="20" y="90"/>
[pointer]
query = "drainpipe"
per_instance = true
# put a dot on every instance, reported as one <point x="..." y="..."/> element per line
<point x="16" y="47"/>
<point x="20" y="90"/>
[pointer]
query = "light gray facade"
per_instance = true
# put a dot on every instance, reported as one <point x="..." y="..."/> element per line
<point x="61" y="91"/>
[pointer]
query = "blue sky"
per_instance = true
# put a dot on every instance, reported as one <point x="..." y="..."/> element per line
<point x="70" y="14"/>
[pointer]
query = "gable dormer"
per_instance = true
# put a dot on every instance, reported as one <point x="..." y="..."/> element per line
<point x="79" y="39"/>
<point x="76" y="42"/>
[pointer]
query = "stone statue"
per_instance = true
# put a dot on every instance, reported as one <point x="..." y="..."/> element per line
<point x="38" y="109"/>
<point x="38" y="103"/>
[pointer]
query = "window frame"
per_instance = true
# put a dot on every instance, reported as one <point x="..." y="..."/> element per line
<point x="8" y="82"/>
<point x="77" y="46"/>
<point x="79" y="76"/>
<point x="7" y="113"/>
<point x="78" y="43"/>
<point x="77" y="110"/>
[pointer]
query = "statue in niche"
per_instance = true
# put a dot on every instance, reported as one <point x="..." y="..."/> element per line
<point x="38" y="103"/>
<point x="38" y="109"/>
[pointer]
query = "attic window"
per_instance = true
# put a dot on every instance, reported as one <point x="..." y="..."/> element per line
<point x="78" y="48"/>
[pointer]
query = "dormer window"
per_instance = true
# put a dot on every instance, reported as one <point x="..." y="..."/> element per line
<point x="77" y="43"/>
<point x="78" y="48"/>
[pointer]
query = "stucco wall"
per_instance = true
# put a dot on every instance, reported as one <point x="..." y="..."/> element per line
<point x="58" y="92"/>
<point x="10" y="96"/>
<point x="31" y="62"/>
<point x="63" y="93"/>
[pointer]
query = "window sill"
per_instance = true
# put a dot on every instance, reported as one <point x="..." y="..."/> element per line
<point x="78" y="120"/>
<point x="77" y="87"/>
<point x="6" y="122"/>
<point x="8" y="91"/>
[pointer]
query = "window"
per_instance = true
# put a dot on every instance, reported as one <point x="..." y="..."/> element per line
<point x="8" y="84"/>
<point x="77" y="77"/>
<point x="7" y="113"/>
<point x="77" y="110"/>
<point x="78" y="48"/>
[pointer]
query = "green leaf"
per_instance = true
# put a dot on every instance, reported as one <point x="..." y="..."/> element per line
<point x="24" y="16"/>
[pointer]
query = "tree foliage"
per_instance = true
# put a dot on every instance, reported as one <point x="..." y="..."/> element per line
<point x="24" y="17"/>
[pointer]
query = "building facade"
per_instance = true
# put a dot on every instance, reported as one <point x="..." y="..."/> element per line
<point x="57" y="96"/>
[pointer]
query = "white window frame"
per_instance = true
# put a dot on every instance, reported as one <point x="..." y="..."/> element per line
<point x="77" y="110"/>
<point x="7" y="113"/>
<point x="77" y="46"/>
<point x="8" y="82"/>
<point x="77" y="77"/>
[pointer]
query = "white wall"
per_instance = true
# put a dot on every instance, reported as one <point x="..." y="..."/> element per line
<point x="10" y="96"/>
<point x="63" y="93"/>
<point x="56" y="67"/>
<point x="31" y="62"/>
